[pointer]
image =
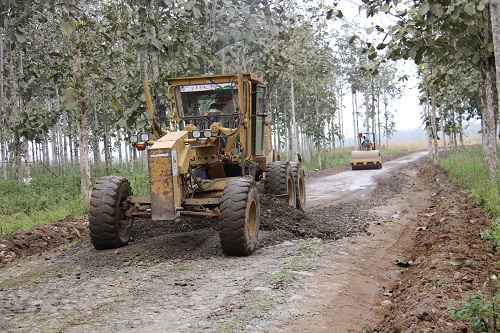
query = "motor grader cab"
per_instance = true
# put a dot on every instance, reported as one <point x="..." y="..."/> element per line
<point x="210" y="166"/>
<point x="366" y="156"/>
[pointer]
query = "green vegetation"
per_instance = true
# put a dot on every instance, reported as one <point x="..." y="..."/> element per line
<point x="286" y="273"/>
<point x="480" y="309"/>
<point x="52" y="195"/>
<point x="467" y="168"/>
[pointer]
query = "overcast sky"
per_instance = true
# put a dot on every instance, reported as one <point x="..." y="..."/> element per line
<point x="407" y="111"/>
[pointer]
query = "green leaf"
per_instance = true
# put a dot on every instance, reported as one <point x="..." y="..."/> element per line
<point x="329" y="14"/>
<point x="437" y="10"/>
<point x="19" y="36"/>
<point x="490" y="47"/>
<point x="470" y="9"/>
<point x="481" y="5"/>
<point x="476" y="58"/>
<point x="424" y="9"/>
<point x="69" y="98"/>
<point x="67" y="29"/>
<point x="116" y="103"/>
<point x="196" y="12"/>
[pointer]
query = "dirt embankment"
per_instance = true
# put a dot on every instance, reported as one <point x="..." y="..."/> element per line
<point x="443" y="261"/>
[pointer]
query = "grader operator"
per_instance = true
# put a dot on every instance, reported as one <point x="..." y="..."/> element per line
<point x="209" y="166"/>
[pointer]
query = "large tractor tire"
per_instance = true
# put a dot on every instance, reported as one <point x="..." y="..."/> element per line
<point x="299" y="181"/>
<point x="108" y="224"/>
<point x="279" y="181"/>
<point x="239" y="217"/>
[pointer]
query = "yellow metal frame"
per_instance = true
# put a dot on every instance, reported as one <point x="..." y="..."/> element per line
<point x="171" y="154"/>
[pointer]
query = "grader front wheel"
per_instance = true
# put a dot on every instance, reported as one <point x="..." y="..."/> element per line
<point x="239" y="217"/>
<point x="279" y="181"/>
<point x="109" y="226"/>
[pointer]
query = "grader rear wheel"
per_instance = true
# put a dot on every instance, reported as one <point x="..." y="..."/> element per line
<point x="299" y="180"/>
<point x="280" y="181"/>
<point x="239" y="217"/>
<point x="109" y="226"/>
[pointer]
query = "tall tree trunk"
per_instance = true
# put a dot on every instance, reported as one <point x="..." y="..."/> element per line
<point x="295" y="139"/>
<point x="132" y="159"/>
<point x="340" y="95"/>
<point x="118" y="146"/>
<point x="71" y="149"/>
<point x="3" y="127"/>
<point x="444" y="132"/>
<point x="14" y="114"/>
<point x="354" y="117"/>
<point x="435" y="153"/>
<point x="379" y="134"/>
<point x="107" y="149"/>
<point x="63" y="137"/>
<point x="55" y="148"/>
<point x="367" y="111"/>
<point x="489" y="123"/>
<point x="495" y="28"/>
<point x="95" y="140"/>
<point x="386" y="120"/>
<point x="461" y="130"/>
<point x="76" y="62"/>
<point x="316" y="107"/>
<point x="45" y="149"/>
<point x="27" y="166"/>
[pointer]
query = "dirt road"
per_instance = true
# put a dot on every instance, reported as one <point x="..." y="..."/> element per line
<point x="319" y="271"/>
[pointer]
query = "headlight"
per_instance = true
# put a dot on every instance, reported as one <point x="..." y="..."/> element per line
<point x="196" y="134"/>
<point x="144" y="137"/>
<point x="207" y="133"/>
<point x="134" y="139"/>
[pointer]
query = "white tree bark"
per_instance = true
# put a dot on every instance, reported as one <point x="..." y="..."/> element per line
<point x="495" y="27"/>
<point x="295" y="139"/>
<point x="3" y="143"/>
<point x="490" y="125"/>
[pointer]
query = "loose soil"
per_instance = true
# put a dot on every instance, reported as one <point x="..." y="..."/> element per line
<point x="391" y="256"/>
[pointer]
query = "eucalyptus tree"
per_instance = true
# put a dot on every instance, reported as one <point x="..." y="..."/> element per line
<point x="447" y="33"/>
<point x="14" y="15"/>
<point x="389" y="86"/>
<point x="3" y="132"/>
<point x="353" y="63"/>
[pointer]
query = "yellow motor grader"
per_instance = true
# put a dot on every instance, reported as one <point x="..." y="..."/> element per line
<point x="366" y="156"/>
<point x="214" y="164"/>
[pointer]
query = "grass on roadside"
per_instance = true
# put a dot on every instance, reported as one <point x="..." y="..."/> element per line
<point x="53" y="195"/>
<point x="468" y="169"/>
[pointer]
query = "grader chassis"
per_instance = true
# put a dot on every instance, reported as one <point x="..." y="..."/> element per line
<point x="209" y="166"/>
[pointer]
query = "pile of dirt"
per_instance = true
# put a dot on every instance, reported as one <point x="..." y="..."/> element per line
<point x="444" y="260"/>
<point x="287" y="224"/>
<point x="23" y="243"/>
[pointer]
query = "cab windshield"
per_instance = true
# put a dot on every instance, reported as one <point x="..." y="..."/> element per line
<point x="206" y="99"/>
